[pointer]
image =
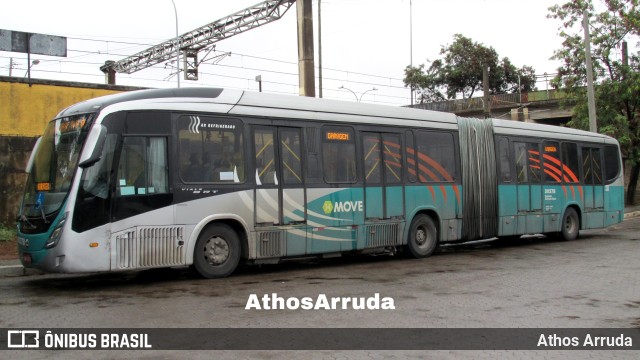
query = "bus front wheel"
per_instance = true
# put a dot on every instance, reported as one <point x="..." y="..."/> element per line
<point x="217" y="251"/>
<point x="423" y="236"/>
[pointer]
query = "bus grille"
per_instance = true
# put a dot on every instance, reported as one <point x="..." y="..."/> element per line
<point x="126" y="250"/>
<point x="163" y="246"/>
<point x="270" y="244"/>
<point x="382" y="235"/>
<point x="153" y="247"/>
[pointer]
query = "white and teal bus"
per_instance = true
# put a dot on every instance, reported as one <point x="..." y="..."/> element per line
<point x="212" y="177"/>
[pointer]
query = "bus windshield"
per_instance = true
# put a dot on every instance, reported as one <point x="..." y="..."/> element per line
<point x="54" y="165"/>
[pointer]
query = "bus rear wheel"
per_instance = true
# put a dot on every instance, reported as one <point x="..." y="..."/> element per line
<point x="217" y="251"/>
<point x="423" y="236"/>
<point x="570" y="225"/>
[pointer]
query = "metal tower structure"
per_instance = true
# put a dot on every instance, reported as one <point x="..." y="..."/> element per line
<point x="200" y="39"/>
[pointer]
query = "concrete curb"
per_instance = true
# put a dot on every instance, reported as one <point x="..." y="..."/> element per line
<point x="631" y="214"/>
<point x="13" y="268"/>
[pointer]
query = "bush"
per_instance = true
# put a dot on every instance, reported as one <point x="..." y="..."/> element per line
<point x="7" y="234"/>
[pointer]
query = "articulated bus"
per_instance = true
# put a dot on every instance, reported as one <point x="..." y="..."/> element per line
<point x="209" y="177"/>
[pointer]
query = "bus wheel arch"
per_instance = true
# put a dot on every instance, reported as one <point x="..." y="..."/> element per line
<point x="218" y="248"/>
<point x="424" y="234"/>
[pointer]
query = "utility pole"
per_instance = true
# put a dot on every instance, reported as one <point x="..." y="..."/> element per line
<point x="305" y="49"/>
<point x="319" y="49"/>
<point x="411" y="42"/>
<point x="593" y="124"/>
<point x="485" y="90"/>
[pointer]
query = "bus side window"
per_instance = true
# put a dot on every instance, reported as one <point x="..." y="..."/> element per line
<point x="436" y="156"/>
<point x="372" y="161"/>
<point x="535" y="166"/>
<point x="392" y="155"/>
<point x="265" y="157"/>
<point x="521" y="162"/>
<point x="551" y="159"/>
<point x="597" y="166"/>
<point x="410" y="150"/>
<point x="591" y="166"/>
<point x="290" y="150"/>
<point x="570" y="163"/>
<point x="211" y="150"/>
<point x="339" y="155"/>
<point x="505" y="161"/>
<point x="142" y="168"/>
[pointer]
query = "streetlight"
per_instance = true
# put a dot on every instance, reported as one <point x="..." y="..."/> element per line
<point x="177" y="43"/>
<point x="358" y="99"/>
<point x="354" y="94"/>
<point x="33" y="63"/>
<point x="372" y="89"/>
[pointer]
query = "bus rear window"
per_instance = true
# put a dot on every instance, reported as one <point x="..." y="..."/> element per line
<point x="611" y="162"/>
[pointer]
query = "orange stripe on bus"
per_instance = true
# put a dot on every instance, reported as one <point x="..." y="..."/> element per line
<point x="431" y="174"/>
<point x="552" y="175"/>
<point x="444" y="192"/>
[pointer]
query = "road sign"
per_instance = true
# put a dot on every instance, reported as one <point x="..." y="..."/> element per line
<point x="42" y="44"/>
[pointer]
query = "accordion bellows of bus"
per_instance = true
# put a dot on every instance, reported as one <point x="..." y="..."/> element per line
<point x="209" y="178"/>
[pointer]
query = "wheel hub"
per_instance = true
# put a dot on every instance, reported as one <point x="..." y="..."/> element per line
<point x="216" y="251"/>
<point x="421" y="237"/>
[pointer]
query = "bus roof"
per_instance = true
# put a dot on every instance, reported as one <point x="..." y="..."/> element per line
<point x="299" y="107"/>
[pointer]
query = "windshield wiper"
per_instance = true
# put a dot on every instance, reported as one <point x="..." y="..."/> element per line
<point x="25" y="221"/>
<point x="44" y="217"/>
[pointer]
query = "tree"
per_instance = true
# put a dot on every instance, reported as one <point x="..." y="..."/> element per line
<point x="617" y="83"/>
<point x="460" y="72"/>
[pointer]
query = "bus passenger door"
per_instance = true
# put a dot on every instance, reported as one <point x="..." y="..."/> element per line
<point x="279" y="193"/>
<point x="267" y="211"/>
<point x="529" y="193"/>
<point x="593" y="179"/>
<point x="384" y="197"/>
<point x="535" y="169"/>
<point x="292" y="187"/>
<point x="594" y="187"/>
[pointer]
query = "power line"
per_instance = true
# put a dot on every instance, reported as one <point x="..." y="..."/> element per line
<point x="240" y="54"/>
<point x="114" y="52"/>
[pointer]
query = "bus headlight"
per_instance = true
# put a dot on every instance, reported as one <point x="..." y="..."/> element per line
<point x="56" y="233"/>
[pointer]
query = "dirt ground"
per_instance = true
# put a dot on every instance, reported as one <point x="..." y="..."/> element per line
<point x="8" y="250"/>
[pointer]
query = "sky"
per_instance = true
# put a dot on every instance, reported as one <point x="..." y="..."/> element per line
<point x="365" y="43"/>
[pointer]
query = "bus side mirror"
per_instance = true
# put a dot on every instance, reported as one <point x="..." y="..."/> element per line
<point x="32" y="157"/>
<point x="95" y="140"/>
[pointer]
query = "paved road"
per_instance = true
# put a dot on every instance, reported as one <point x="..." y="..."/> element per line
<point x="592" y="282"/>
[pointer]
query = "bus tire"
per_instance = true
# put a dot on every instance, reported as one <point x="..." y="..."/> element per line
<point x="423" y="236"/>
<point x="570" y="225"/>
<point x="217" y="251"/>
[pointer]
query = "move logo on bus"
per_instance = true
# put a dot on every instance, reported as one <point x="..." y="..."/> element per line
<point x="342" y="206"/>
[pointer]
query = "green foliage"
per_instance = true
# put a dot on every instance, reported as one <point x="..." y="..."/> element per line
<point x="618" y="90"/>
<point x="460" y="72"/>
<point x="617" y="87"/>
<point x="7" y="234"/>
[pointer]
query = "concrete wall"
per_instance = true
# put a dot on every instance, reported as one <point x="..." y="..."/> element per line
<point x="24" y="113"/>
